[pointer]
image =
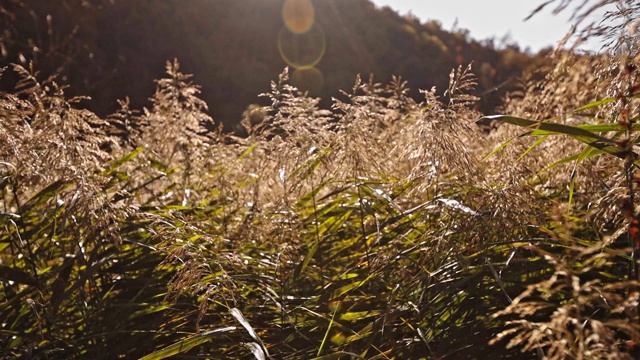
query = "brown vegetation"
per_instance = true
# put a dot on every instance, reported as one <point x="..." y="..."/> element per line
<point x="381" y="227"/>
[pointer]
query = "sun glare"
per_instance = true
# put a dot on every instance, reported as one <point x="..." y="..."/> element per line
<point x="298" y="15"/>
<point x="302" y="44"/>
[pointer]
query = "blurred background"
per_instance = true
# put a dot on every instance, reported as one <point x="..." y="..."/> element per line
<point x="110" y="50"/>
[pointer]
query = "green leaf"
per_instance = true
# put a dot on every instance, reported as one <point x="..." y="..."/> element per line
<point x="311" y="164"/>
<point x="45" y="194"/>
<point x="598" y="128"/>
<point x="114" y="164"/>
<point x="597" y="103"/>
<point x="307" y="199"/>
<point x="305" y="262"/>
<point x="326" y="333"/>
<point x="592" y="139"/>
<point x="533" y="146"/>
<point x="352" y="286"/>
<point x="358" y="315"/>
<point x="498" y="149"/>
<point x="248" y="151"/>
<point x="573" y="131"/>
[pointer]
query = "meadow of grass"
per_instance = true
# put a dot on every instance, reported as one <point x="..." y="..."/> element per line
<point x="381" y="228"/>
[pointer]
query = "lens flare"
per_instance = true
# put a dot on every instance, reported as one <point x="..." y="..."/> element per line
<point x="308" y="79"/>
<point x="298" y="15"/>
<point x="303" y="50"/>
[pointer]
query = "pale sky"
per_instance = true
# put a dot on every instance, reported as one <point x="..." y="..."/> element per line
<point x="487" y="18"/>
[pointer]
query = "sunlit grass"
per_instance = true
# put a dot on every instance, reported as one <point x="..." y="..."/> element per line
<point x="376" y="229"/>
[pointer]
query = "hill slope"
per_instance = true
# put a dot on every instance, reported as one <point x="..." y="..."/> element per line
<point x="110" y="50"/>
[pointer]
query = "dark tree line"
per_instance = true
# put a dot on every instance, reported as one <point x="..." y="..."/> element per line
<point x="114" y="49"/>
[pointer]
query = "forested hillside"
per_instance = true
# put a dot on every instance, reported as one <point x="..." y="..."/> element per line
<point x="233" y="49"/>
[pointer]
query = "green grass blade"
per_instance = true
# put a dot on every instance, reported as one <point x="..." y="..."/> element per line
<point x="45" y="194"/>
<point x="597" y="103"/>
<point x="248" y="151"/>
<point x="498" y="149"/>
<point x="311" y="164"/>
<point x="533" y="146"/>
<point x="598" y="128"/>
<point x="114" y="164"/>
<point x="573" y="131"/>
<point x="326" y="334"/>
<point x="305" y="262"/>
<point x="591" y="105"/>
<point x="352" y="286"/>
<point x="592" y="139"/>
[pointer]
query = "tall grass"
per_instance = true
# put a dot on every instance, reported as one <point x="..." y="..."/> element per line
<point x="584" y="112"/>
<point x="381" y="228"/>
